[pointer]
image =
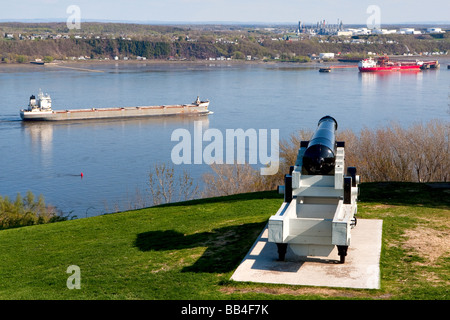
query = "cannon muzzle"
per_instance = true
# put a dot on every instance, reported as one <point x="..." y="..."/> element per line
<point x="320" y="156"/>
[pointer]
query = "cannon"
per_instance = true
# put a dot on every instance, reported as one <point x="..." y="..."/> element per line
<point x="320" y="155"/>
<point x="320" y="201"/>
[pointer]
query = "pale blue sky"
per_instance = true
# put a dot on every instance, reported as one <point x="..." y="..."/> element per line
<point x="354" y="11"/>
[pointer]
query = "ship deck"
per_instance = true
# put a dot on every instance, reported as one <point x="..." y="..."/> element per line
<point x="129" y="108"/>
<point x="124" y="112"/>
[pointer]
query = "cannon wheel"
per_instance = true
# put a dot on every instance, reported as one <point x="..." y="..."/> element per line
<point x="342" y="251"/>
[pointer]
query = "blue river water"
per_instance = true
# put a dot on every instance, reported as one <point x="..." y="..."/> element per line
<point x="115" y="156"/>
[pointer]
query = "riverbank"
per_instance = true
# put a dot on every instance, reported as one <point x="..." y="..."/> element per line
<point x="96" y="62"/>
<point x="234" y="62"/>
<point x="97" y="65"/>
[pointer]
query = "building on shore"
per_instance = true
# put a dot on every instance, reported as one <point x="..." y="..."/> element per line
<point x="324" y="28"/>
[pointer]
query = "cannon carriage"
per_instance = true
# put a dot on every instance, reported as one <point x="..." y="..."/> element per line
<point x="320" y="201"/>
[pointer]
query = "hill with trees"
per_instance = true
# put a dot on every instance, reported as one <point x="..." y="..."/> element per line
<point x="23" y="42"/>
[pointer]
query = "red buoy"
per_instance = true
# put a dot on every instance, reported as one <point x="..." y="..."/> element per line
<point x="82" y="174"/>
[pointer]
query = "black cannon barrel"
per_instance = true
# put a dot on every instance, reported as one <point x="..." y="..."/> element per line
<point x="319" y="157"/>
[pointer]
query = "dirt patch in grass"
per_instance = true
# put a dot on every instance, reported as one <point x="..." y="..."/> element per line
<point x="429" y="243"/>
<point x="383" y="206"/>
<point x="325" y="292"/>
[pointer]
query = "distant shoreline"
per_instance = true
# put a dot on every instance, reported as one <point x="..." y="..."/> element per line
<point x="149" y="61"/>
<point x="72" y="63"/>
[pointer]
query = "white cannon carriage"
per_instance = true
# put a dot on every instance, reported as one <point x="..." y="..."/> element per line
<point x="320" y="201"/>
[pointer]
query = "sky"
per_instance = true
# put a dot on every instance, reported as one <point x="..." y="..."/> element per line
<point x="198" y="11"/>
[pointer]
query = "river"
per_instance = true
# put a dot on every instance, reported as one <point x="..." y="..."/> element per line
<point x="115" y="156"/>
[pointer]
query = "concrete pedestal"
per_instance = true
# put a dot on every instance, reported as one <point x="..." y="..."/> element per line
<point x="361" y="268"/>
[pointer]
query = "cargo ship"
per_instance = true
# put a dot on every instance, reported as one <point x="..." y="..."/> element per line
<point x="40" y="109"/>
<point x="384" y="64"/>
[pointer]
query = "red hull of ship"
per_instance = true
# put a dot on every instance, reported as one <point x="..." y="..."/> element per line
<point x="391" y="68"/>
<point x="383" y="64"/>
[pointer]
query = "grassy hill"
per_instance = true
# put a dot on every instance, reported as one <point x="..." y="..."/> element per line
<point x="188" y="251"/>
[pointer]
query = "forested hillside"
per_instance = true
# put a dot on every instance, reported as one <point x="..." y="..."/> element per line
<point x="26" y="42"/>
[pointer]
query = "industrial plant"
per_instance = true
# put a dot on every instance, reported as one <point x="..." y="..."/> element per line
<point x="324" y="28"/>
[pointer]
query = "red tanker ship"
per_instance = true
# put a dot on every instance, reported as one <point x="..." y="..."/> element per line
<point x="384" y="64"/>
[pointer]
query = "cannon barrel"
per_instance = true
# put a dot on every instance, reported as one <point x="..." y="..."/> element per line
<point x="320" y="155"/>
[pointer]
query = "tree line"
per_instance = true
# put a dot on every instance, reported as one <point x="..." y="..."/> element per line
<point x="26" y="211"/>
<point x="419" y="153"/>
<point x="207" y="47"/>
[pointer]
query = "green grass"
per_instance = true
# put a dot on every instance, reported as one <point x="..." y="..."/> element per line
<point x="189" y="250"/>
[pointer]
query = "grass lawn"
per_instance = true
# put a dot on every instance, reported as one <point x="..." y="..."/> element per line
<point x="189" y="250"/>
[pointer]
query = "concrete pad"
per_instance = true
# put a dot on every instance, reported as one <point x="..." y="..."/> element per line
<point x="361" y="268"/>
